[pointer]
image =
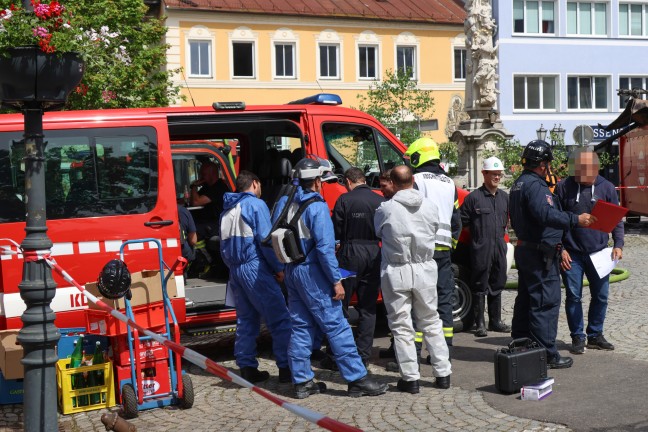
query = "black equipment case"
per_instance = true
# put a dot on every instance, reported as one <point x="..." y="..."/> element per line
<point x="522" y="363"/>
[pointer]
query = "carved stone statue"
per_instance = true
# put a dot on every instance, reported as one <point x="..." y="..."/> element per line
<point x="481" y="61"/>
<point x="456" y="115"/>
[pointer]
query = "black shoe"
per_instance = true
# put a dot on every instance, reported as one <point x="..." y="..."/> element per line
<point x="561" y="363"/>
<point x="318" y="355"/>
<point x="303" y="390"/>
<point x="366" y="386"/>
<point x="442" y="382"/>
<point x="387" y="352"/>
<point x="408" y="386"/>
<point x="328" y="363"/>
<point x="599" y="342"/>
<point x="578" y="345"/>
<point x="392" y="367"/>
<point x="499" y="327"/>
<point x="284" y="375"/>
<point x="254" y="375"/>
<point x="481" y="332"/>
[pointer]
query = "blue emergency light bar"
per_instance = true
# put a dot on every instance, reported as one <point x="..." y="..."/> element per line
<point x="319" y="99"/>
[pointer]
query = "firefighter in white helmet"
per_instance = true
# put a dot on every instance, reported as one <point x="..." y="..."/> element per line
<point x="485" y="213"/>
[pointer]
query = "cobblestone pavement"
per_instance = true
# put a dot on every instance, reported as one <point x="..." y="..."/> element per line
<point x="222" y="406"/>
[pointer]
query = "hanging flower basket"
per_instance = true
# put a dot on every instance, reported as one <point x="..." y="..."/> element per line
<point x="30" y="75"/>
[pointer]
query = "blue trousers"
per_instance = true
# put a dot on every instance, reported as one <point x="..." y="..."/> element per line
<point x="313" y="310"/>
<point x="537" y="305"/>
<point x="258" y="296"/>
<point x="599" y="290"/>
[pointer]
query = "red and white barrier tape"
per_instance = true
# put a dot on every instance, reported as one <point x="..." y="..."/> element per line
<point x="186" y="353"/>
<point x="631" y="187"/>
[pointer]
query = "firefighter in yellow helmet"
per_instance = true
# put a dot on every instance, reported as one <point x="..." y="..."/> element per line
<point x="433" y="183"/>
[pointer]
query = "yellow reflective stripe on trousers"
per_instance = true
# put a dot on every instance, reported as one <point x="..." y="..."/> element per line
<point x="442" y="248"/>
<point x="418" y="337"/>
<point x="448" y="332"/>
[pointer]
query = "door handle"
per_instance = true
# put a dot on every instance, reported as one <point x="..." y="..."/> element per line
<point x="159" y="223"/>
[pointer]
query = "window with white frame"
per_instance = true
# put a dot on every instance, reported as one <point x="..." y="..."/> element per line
<point x="329" y="61"/>
<point x="631" y="19"/>
<point x="406" y="60"/>
<point x="534" y="17"/>
<point x="200" y="63"/>
<point x="284" y="60"/>
<point x="587" y="92"/>
<point x="631" y="83"/>
<point x="535" y="92"/>
<point x="459" y="64"/>
<point x="368" y="62"/>
<point x="587" y="18"/>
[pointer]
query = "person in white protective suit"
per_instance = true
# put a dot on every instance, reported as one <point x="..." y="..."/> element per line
<point x="407" y="225"/>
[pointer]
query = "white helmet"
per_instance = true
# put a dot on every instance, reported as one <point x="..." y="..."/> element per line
<point x="493" y="164"/>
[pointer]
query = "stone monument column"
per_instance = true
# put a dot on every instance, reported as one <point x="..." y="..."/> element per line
<point x="480" y="132"/>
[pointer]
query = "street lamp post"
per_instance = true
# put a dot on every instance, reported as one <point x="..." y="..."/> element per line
<point x="38" y="335"/>
<point x="541" y="133"/>
<point x="556" y="134"/>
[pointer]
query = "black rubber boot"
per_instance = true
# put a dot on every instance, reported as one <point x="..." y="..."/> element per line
<point x="254" y="375"/>
<point x="495" y="322"/>
<point x="478" y="309"/>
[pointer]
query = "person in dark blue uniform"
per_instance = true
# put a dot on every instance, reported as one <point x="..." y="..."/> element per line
<point x="485" y="212"/>
<point x="539" y="223"/>
<point x="359" y="252"/>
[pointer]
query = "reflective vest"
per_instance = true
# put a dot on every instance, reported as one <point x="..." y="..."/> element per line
<point x="441" y="190"/>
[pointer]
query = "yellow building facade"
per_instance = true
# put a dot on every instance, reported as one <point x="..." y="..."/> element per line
<point x="274" y="59"/>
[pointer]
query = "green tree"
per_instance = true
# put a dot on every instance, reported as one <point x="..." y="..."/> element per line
<point x="398" y="103"/>
<point x="133" y="73"/>
<point x="510" y="153"/>
<point x="114" y="83"/>
<point x="449" y="156"/>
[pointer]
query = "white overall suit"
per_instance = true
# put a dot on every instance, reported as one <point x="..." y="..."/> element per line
<point x="407" y="225"/>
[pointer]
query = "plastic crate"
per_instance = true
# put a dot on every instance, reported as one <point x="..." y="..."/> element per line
<point x="11" y="391"/>
<point x="156" y="379"/>
<point x="102" y="323"/>
<point x="66" y="394"/>
<point x="70" y="335"/>
<point x="149" y="350"/>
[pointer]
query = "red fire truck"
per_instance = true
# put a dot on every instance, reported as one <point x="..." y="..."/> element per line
<point x="116" y="175"/>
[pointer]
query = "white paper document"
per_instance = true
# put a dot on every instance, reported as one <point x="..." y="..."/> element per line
<point x="602" y="261"/>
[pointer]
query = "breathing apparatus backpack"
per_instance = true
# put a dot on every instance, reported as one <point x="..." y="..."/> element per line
<point x="284" y="234"/>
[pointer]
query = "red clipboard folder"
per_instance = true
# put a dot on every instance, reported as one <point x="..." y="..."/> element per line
<point x="607" y="216"/>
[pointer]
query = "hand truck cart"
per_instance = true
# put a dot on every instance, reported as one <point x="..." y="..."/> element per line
<point x="154" y="382"/>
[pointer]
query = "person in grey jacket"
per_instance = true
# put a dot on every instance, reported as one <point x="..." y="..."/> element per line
<point x="407" y="225"/>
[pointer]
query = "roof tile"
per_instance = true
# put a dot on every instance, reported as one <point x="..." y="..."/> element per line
<point x="430" y="11"/>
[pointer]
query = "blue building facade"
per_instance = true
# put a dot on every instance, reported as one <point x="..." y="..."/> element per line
<point x="561" y="62"/>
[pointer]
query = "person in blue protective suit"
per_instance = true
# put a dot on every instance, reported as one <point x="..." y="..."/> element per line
<point x="255" y="274"/>
<point x="539" y="224"/>
<point x="315" y="290"/>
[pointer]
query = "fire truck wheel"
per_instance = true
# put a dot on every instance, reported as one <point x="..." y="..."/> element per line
<point x="129" y="401"/>
<point x="462" y="306"/>
<point x="187" y="399"/>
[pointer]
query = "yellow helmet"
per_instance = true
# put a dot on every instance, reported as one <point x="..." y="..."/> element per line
<point x="423" y="150"/>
